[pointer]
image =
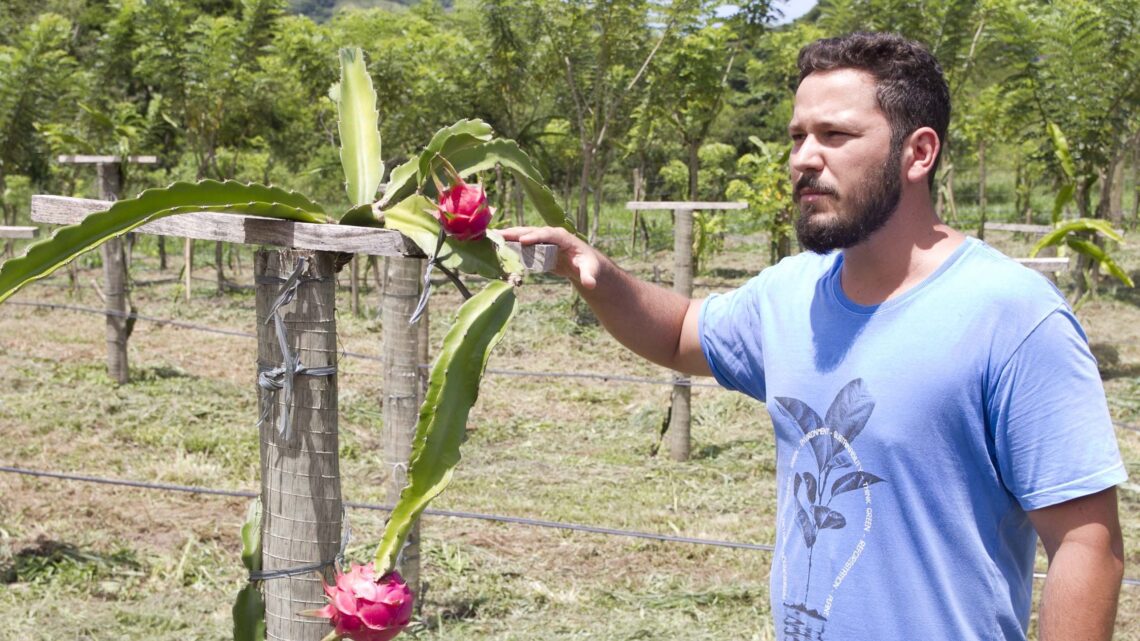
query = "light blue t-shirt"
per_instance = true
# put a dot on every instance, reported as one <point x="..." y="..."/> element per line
<point x="911" y="439"/>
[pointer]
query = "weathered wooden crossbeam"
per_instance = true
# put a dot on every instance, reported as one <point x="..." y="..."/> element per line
<point x="682" y="204"/>
<point x="1019" y="227"/>
<point x="252" y="230"/>
<point x="1026" y="229"/>
<point x="105" y="160"/>
<point x="19" y="232"/>
<point x="1045" y="264"/>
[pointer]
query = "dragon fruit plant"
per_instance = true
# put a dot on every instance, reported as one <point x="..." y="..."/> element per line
<point x="448" y="223"/>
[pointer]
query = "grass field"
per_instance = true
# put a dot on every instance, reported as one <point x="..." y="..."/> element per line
<point x="82" y="561"/>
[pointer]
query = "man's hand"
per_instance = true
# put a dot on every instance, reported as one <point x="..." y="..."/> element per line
<point x="577" y="261"/>
<point x="652" y="321"/>
<point x="1086" y="564"/>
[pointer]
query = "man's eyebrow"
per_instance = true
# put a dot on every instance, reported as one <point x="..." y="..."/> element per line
<point x="824" y="125"/>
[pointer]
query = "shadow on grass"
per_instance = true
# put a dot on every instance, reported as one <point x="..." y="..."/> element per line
<point x="729" y="273"/>
<point x="714" y="450"/>
<point x="1109" y="364"/>
<point x="49" y="560"/>
<point x="151" y="374"/>
<point x="452" y="611"/>
<point x="1118" y="291"/>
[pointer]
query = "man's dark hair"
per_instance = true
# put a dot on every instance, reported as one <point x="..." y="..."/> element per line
<point x="909" y="84"/>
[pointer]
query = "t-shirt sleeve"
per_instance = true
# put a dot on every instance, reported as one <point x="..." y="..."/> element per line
<point x="1053" y="436"/>
<point x="730" y="339"/>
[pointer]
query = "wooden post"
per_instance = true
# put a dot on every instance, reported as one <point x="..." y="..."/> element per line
<point x="300" y="475"/>
<point x="402" y="389"/>
<point x="116" y="282"/>
<point x="680" y="415"/>
<point x="380" y="280"/>
<point x="187" y="265"/>
<point x="219" y="271"/>
<point x="354" y="282"/>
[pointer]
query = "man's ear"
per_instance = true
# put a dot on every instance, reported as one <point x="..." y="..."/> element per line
<point x="919" y="153"/>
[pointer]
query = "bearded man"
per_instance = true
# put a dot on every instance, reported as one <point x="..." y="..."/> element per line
<point x="935" y="404"/>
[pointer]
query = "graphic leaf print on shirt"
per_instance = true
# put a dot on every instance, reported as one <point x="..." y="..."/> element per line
<point x="831" y="441"/>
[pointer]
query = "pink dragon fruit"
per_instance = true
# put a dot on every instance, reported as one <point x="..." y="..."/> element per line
<point x="463" y="210"/>
<point x="364" y="607"/>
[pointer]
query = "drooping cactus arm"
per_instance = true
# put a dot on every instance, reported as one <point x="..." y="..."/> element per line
<point x="44" y="257"/>
<point x="452" y="390"/>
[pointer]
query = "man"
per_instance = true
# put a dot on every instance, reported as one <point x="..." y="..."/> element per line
<point x="935" y="404"/>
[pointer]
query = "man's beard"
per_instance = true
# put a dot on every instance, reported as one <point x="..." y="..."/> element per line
<point x="856" y="216"/>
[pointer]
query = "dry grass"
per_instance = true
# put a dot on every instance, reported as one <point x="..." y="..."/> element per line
<point x="98" y="562"/>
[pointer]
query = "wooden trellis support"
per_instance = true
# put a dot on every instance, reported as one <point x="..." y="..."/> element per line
<point x="680" y="413"/>
<point x="116" y="280"/>
<point x="1047" y="263"/>
<point x="19" y="232"/>
<point x="9" y="233"/>
<point x="301" y="496"/>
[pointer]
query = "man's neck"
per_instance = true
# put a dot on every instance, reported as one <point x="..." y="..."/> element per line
<point x="910" y="247"/>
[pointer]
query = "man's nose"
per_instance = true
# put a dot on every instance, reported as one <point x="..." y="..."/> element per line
<point x="806" y="156"/>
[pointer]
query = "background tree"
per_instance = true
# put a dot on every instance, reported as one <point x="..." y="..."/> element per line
<point x="36" y="86"/>
<point x="604" y="48"/>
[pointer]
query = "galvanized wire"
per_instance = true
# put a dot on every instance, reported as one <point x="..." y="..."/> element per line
<point x="516" y="520"/>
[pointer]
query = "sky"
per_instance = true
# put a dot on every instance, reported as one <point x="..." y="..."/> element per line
<point x="792" y="9"/>
<point x="795" y="8"/>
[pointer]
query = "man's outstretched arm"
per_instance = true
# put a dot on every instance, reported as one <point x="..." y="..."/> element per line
<point x="650" y="320"/>
<point x="1086" y="564"/>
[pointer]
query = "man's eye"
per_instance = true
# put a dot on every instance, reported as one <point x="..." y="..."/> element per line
<point x="798" y="137"/>
<point x="836" y="134"/>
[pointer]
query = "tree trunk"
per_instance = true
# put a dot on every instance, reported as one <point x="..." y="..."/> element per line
<point x="162" y="253"/>
<point x="1083" y="197"/>
<point x="982" y="189"/>
<point x="599" y="196"/>
<point x="9" y="213"/>
<point x="781" y="241"/>
<point x="520" y="203"/>
<point x="950" y="204"/>
<point x="402" y="390"/>
<point x="636" y="212"/>
<point x="219" y="258"/>
<point x="1081" y="270"/>
<point x="501" y="205"/>
<point x="939" y="201"/>
<point x="680" y="413"/>
<point x="694" y="168"/>
<point x="1136" y="184"/>
<point x="584" y="190"/>
<point x="116" y="283"/>
<point x="1115" y="195"/>
<point x="1022" y="191"/>
<point x="300" y="469"/>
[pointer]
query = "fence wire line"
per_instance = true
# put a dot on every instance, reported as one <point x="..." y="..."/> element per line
<point x="616" y="378"/>
<point x="515" y="520"/>
<point x="368" y="357"/>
